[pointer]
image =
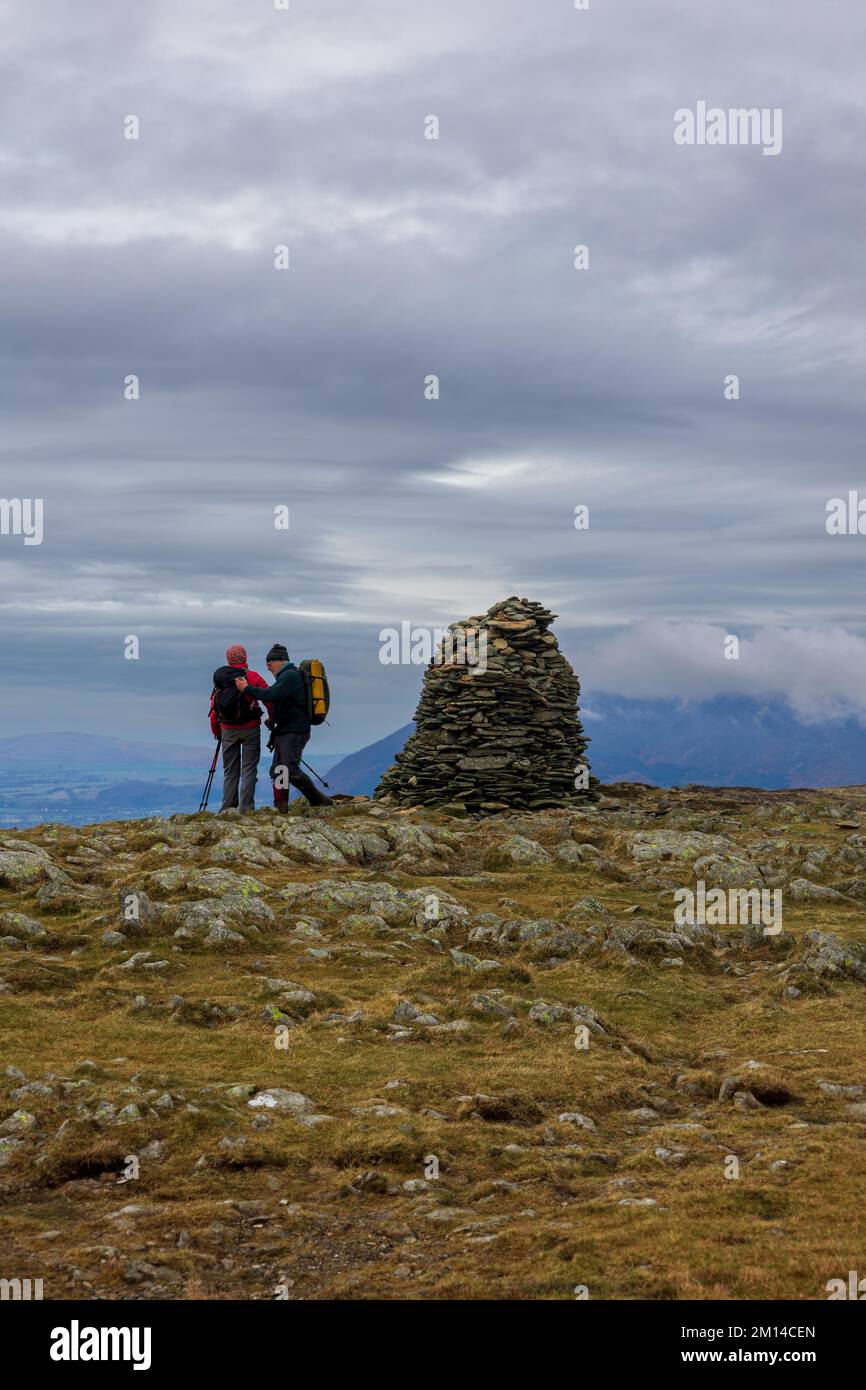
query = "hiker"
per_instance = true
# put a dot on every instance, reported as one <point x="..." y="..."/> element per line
<point x="290" y="725"/>
<point x="237" y="720"/>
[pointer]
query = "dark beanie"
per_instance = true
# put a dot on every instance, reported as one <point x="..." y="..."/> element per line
<point x="277" y="653"/>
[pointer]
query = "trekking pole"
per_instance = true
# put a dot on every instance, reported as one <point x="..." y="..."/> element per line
<point x="209" y="783"/>
<point x="315" y="773"/>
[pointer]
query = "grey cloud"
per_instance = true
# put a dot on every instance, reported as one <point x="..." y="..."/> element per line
<point x="409" y="257"/>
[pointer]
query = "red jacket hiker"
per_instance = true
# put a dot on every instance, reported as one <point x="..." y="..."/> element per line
<point x="237" y="658"/>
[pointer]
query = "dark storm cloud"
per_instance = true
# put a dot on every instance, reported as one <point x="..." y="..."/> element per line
<point x="409" y="257"/>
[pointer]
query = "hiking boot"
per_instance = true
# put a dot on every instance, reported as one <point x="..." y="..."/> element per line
<point x="309" y="789"/>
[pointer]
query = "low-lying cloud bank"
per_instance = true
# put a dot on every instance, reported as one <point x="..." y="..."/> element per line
<point x="819" y="672"/>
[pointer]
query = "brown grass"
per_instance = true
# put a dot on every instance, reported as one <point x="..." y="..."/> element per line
<point x="532" y="1206"/>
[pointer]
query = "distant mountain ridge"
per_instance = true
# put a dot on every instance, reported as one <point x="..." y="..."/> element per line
<point x="83" y="778"/>
<point x="728" y="741"/>
<point x="358" y="774"/>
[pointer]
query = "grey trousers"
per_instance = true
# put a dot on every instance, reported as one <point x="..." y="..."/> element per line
<point x="286" y="764"/>
<point x="242" y="749"/>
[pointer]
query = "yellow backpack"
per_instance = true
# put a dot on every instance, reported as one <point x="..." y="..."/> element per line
<point x="318" y="692"/>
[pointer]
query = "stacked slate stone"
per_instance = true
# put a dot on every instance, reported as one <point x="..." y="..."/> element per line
<point x="504" y="736"/>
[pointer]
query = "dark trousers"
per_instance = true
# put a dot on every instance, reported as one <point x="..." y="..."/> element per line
<point x="286" y="768"/>
<point x="242" y="749"/>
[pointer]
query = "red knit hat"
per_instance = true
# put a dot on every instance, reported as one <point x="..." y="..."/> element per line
<point x="236" y="655"/>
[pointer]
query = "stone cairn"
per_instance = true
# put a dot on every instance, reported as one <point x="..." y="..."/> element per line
<point x="501" y="732"/>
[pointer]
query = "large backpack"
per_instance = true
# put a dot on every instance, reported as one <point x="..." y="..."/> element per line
<point x="231" y="706"/>
<point x="316" y="687"/>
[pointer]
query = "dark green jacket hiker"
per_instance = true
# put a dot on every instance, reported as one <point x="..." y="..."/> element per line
<point x="286" y="700"/>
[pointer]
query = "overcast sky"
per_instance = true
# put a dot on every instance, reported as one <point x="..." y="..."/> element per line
<point x="409" y="257"/>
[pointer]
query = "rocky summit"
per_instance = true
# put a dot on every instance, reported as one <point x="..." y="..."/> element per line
<point x="368" y="1052"/>
<point x="496" y="725"/>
